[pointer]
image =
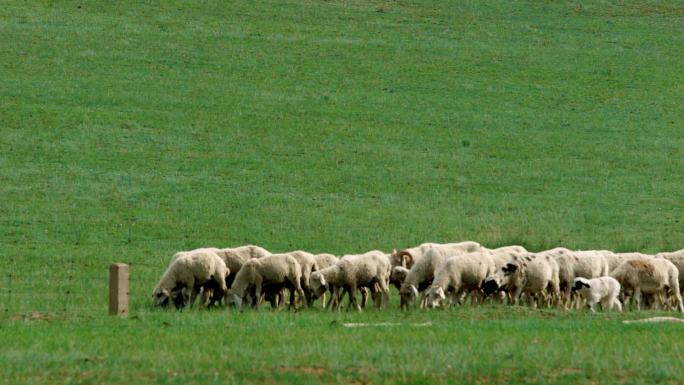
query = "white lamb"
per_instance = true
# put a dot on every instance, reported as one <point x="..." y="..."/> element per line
<point x="604" y="290"/>
<point x="189" y="272"/>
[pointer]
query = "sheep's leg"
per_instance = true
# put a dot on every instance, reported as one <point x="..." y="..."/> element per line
<point x="189" y="298"/>
<point x="384" y="289"/>
<point x="352" y="297"/>
<point x="364" y="296"/>
<point x="257" y="291"/>
<point x="332" y="302"/>
<point x="516" y="295"/>
<point x="636" y="297"/>
<point x="616" y="303"/>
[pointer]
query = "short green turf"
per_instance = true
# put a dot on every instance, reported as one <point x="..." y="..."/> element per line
<point x="132" y="130"/>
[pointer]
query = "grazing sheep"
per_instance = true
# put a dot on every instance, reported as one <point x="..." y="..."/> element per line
<point x="273" y="272"/>
<point x="653" y="276"/>
<point x="422" y="272"/>
<point x="191" y="271"/>
<point x="307" y="262"/>
<point x="235" y="257"/>
<point x="407" y="257"/>
<point x="536" y="275"/>
<point x="351" y="272"/>
<point x="459" y="275"/>
<point x="602" y="289"/>
<point x="323" y="261"/>
<point x="398" y="276"/>
<point x="500" y="256"/>
<point x="420" y="276"/>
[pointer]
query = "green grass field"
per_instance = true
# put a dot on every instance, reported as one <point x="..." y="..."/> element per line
<point x="130" y="131"/>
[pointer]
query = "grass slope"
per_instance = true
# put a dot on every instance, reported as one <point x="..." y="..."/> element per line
<point x="130" y="131"/>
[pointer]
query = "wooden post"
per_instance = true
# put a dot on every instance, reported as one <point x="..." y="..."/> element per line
<point x="118" y="289"/>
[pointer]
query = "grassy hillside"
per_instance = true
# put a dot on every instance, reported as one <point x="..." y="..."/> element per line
<point x="131" y="131"/>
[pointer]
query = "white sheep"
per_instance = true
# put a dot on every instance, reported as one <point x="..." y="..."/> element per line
<point x="585" y="264"/>
<point x="351" y="272"/>
<point x="398" y="276"/>
<point x="459" y="275"/>
<point x="271" y="272"/>
<point x="602" y="289"/>
<point x="536" y="275"/>
<point x="190" y="271"/>
<point x="407" y="257"/>
<point x="235" y="257"/>
<point x="420" y="276"/>
<point x="677" y="258"/>
<point x="652" y="276"/>
<point x="324" y="260"/>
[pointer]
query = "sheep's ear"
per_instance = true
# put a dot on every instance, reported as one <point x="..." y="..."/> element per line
<point x="510" y="268"/>
<point x="585" y="284"/>
<point x="323" y="282"/>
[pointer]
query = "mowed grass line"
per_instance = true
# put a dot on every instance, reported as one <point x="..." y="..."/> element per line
<point x="131" y="131"/>
<point x="472" y="345"/>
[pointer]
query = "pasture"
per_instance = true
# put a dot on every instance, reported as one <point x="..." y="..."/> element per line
<point x="131" y="131"/>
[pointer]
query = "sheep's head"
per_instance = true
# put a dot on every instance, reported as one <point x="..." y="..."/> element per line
<point x="318" y="284"/>
<point x="161" y="297"/>
<point x="435" y="296"/>
<point x="398" y="276"/>
<point x="579" y="283"/>
<point x="492" y="284"/>
<point x="233" y="299"/>
<point x="401" y="258"/>
<point x="408" y="294"/>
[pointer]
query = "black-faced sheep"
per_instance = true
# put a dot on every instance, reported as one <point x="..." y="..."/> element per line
<point x="603" y="290"/>
<point x="534" y="274"/>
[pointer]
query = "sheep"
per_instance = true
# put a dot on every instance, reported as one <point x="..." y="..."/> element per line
<point x="235" y="257"/>
<point x="323" y="261"/>
<point x="307" y="262"/>
<point x="500" y="256"/>
<point x="422" y="272"/>
<point x="407" y="257"/>
<point x="351" y="272"/>
<point x="650" y="276"/>
<point x="273" y="271"/>
<point x="398" y="276"/>
<point x="585" y="264"/>
<point x="459" y="274"/>
<point x="191" y="270"/>
<point x="677" y="258"/>
<point x="603" y="289"/>
<point x="420" y="276"/>
<point x="534" y="274"/>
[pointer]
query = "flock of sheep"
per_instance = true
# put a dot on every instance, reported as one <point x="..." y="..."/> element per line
<point x="428" y="275"/>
